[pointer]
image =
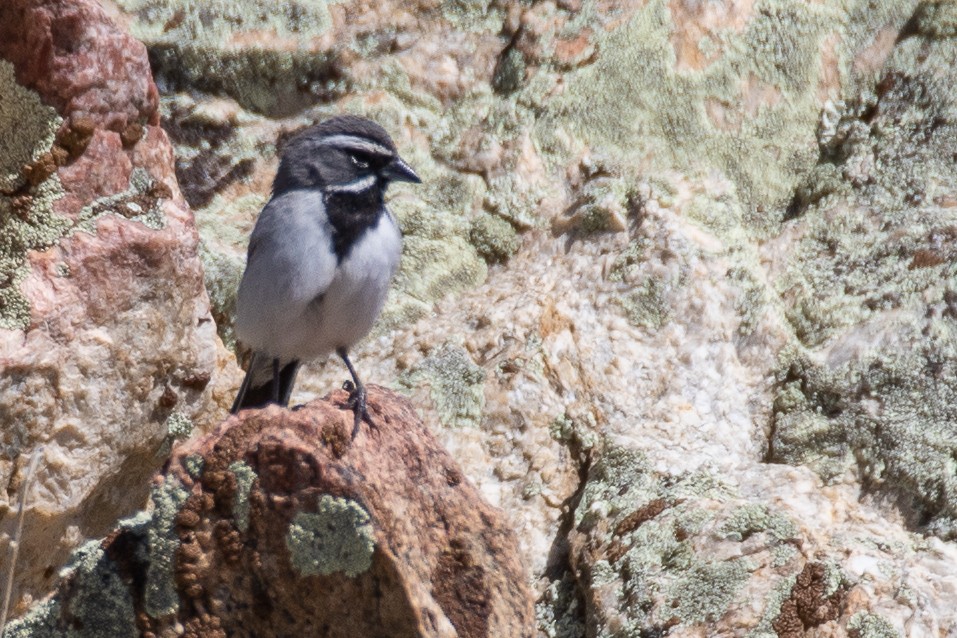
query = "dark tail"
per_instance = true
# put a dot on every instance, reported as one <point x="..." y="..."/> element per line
<point x="267" y="381"/>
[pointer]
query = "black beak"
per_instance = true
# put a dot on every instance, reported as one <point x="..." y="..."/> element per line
<point x="398" y="171"/>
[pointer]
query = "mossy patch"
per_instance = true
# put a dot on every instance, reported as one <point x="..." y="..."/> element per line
<point x="651" y="573"/>
<point x="222" y="274"/>
<point x="456" y="383"/>
<point x="194" y="45"/>
<point x="755" y="518"/>
<point x="140" y="202"/>
<point x="494" y="238"/>
<point x="100" y="603"/>
<point x="245" y="477"/>
<point x="634" y="103"/>
<point x="160" y="597"/>
<point x="27" y="222"/>
<point x="338" y="537"/>
<point x="706" y="591"/>
<point x="867" y="625"/>
<point x="27" y="127"/>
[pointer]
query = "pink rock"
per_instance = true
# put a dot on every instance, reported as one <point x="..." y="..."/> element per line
<point x="107" y="327"/>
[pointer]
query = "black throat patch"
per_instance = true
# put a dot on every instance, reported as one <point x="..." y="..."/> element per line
<point x="351" y="215"/>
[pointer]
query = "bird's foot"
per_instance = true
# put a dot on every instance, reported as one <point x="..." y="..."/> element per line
<point x="357" y="401"/>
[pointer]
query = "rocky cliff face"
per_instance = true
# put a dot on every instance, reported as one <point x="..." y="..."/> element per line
<point x="678" y="291"/>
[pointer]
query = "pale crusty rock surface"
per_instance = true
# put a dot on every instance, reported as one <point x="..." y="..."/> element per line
<point x="106" y="340"/>
<point x="280" y="524"/>
<point x="679" y="284"/>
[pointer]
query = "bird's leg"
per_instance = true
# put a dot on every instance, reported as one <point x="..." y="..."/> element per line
<point x="357" y="394"/>
<point x="275" y="381"/>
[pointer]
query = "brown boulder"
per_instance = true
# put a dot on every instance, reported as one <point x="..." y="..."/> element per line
<point x="278" y="524"/>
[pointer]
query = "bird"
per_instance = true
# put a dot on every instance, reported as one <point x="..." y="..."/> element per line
<point x="321" y="258"/>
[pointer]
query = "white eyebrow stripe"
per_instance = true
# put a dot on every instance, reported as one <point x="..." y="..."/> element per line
<point x="356" y="186"/>
<point x="356" y="144"/>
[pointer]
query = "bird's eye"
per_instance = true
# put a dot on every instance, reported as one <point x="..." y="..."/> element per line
<point x="358" y="162"/>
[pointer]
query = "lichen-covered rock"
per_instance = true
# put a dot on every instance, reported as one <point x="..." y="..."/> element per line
<point x="677" y="290"/>
<point x="106" y="342"/>
<point x="279" y="524"/>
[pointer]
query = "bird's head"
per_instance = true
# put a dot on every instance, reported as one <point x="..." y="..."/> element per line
<point x="343" y="155"/>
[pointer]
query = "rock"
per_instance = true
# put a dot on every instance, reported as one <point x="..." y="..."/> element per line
<point x="279" y="524"/>
<point x="677" y="290"/>
<point x="105" y="332"/>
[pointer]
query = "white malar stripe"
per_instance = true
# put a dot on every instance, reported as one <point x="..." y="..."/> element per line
<point x="355" y="143"/>
<point x="356" y="186"/>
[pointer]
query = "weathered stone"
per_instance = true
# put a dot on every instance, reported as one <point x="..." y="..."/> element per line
<point x="104" y="321"/>
<point x="310" y="533"/>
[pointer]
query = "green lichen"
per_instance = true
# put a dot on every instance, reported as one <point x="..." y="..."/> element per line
<point x="245" y="477"/>
<point x="217" y="21"/>
<point x="559" y="613"/>
<point x="935" y="19"/>
<point x="783" y="554"/>
<point x="27" y="221"/>
<point x="100" y="605"/>
<point x="755" y="518"/>
<point x="869" y="291"/>
<point x="138" y="203"/>
<point x="754" y="301"/>
<point x="222" y="274"/>
<point x="39" y="622"/>
<point x="194" y="44"/>
<point x="706" y="591"/>
<point x="27" y="224"/>
<point x="457" y="385"/>
<point x="603" y="204"/>
<point x="179" y="426"/>
<point x="338" y="537"/>
<point x="194" y="465"/>
<point x="646" y="295"/>
<point x="780" y="592"/>
<point x="101" y="602"/>
<point x="511" y="199"/>
<point x="475" y="16"/>
<point x="27" y="128"/>
<point x="646" y="304"/>
<point x="510" y="71"/>
<point x="578" y="434"/>
<point x="867" y="625"/>
<point x="890" y="411"/>
<point x="633" y="103"/>
<point x="494" y="238"/>
<point x="160" y="598"/>
<point x="652" y="525"/>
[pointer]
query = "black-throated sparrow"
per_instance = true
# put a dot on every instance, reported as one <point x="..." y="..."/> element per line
<point x="321" y="257"/>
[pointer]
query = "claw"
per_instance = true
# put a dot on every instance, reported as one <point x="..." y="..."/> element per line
<point x="357" y="401"/>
